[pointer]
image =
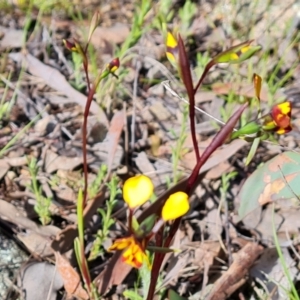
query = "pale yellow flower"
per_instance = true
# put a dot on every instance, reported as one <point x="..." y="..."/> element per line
<point x="176" y="206"/>
<point x="137" y="190"/>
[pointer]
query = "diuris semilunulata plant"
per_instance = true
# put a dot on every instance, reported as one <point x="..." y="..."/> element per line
<point x="138" y="189"/>
<point x="278" y="120"/>
<point x="110" y="68"/>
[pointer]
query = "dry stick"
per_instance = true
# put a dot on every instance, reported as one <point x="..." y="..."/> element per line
<point x="227" y="235"/>
<point x="231" y="280"/>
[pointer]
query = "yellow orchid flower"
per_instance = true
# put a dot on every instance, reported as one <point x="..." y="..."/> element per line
<point x="137" y="190"/>
<point x="133" y="254"/>
<point x="279" y="119"/>
<point x="176" y="206"/>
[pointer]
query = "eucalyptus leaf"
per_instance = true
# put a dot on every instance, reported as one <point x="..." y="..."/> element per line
<point x="276" y="180"/>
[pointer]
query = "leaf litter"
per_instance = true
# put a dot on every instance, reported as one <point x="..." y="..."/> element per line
<point x="203" y="265"/>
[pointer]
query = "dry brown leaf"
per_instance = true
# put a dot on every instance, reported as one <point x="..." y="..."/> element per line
<point x="17" y="161"/>
<point x="146" y="167"/>
<point x="206" y="252"/>
<point x="114" y="274"/>
<point x="4" y="167"/>
<point x="12" y="38"/>
<point x="219" y="156"/>
<point x="10" y="213"/>
<point x="204" y="96"/>
<point x="37" y="244"/>
<point x="58" y="82"/>
<point x="243" y="89"/>
<point x="37" y="238"/>
<point x="217" y="171"/>
<point x="269" y="266"/>
<point x="112" y="35"/>
<point x="54" y="162"/>
<point x="113" y="135"/>
<point x="175" y="268"/>
<point x="71" y="278"/>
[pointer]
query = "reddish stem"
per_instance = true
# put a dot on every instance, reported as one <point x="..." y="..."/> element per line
<point x="85" y="271"/>
<point x="186" y="77"/>
<point x="206" y="70"/>
<point x="87" y="77"/>
<point x="157" y="261"/>
<point x="84" y="141"/>
<point x="130" y="220"/>
<point x="217" y="141"/>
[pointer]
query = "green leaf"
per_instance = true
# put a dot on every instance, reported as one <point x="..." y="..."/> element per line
<point x="252" y="151"/>
<point x="132" y="295"/>
<point x="249" y="128"/>
<point x="80" y="216"/>
<point x="276" y="180"/>
<point x="135" y="224"/>
<point x="78" y="253"/>
<point x="161" y="249"/>
<point x="146" y="226"/>
<point x="172" y="295"/>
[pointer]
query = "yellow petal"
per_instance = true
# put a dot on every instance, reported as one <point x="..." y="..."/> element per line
<point x="134" y="256"/>
<point x="171" y="41"/>
<point x="121" y="244"/>
<point x="172" y="49"/>
<point x="176" y="206"/>
<point x="137" y="190"/>
<point x="285" y="107"/>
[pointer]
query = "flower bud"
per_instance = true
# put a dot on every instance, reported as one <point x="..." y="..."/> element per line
<point x="237" y="54"/>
